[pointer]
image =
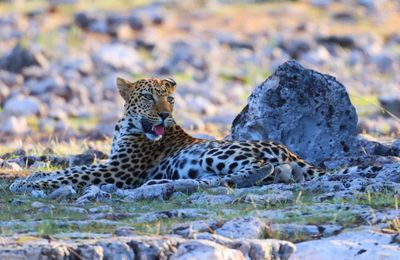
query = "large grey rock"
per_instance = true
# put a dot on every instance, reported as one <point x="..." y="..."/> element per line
<point x="309" y="112"/>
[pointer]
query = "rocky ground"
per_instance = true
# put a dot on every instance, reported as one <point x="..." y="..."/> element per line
<point x="58" y="104"/>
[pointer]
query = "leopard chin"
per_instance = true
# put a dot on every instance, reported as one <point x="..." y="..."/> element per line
<point x="153" y="137"/>
<point x="153" y="131"/>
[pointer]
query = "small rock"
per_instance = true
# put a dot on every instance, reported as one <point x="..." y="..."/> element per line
<point x="11" y="79"/>
<point x="384" y="62"/>
<point x="38" y="165"/>
<point x="109" y="188"/>
<point x="37" y="204"/>
<point x="342" y="41"/>
<point x="41" y="207"/>
<point x="22" y="105"/>
<point x="4" y="93"/>
<point x="63" y="193"/>
<point x="295" y="47"/>
<point x="233" y="43"/>
<point x="18" y="202"/>
<point x="202" y="249"/>
<point x="20" y="57"/>
<point x="92" y="193"/>
<point x="84" y="20"/>
<point x="321" y="3"/>
<point x="135" y="22"/>
<point x="205" y="199"/>
<point x="396" y="147"/>
<point x="372" y="147"/>
<point x="119" y="56"/>
<point x="391" y="103"/>
<point x="373" y="244"/>
<point x="247" y="227"/>
<point x="125" y="231"/>
<point x="15" y="125"/>
<point x="187" y="230"/>
<point x="45" y="85"/>
<point x="157" y="191"/>
<point x="83" y="64"/>
<point x="11" y="166"/>
<point x="254" y="248"/>
<point x="87" y="158"/>
<point x="39" y="194"/>
<point x="99" y="26"/>
<point x="269" y="199"/>
<point x="103" y="208"/>
<point x="298" y="233"/>
<point x="174" y="213"/>
<point x="344" y="16"/>
<point x="19" y="152"/>
<point x="76" y="210"/>
<point x="370" y="5"/>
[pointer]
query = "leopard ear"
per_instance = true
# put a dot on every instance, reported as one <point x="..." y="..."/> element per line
<point x="169" y="82"/>
<point x="124" y="88"/>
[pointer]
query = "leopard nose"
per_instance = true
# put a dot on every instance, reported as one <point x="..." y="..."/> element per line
<point x="163" y="115"/>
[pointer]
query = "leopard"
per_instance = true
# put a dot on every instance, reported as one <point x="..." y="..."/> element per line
<point x="149" y="147"/>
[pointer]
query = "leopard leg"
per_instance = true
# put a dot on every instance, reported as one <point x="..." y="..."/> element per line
<point x="157" y="181"/>
<point x="250" y="175"/>
<point x="286" y="174"/>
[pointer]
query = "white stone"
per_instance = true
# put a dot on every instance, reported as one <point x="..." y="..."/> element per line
<point x="39" y="194"/>
<point x="62" y="193"/>
<point x="11" y="166"/>
<point x="14" y="125"/>
<point x="119" y="56"/>
<point x="247" y="227"/>
<point x="103" y="208"/>
<point x="360" y="244"/>
<point x="37" y="165"/>
<point x="22" y="105"/>
<point x="202" y="249"/>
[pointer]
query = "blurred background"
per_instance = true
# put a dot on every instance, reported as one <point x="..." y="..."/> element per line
<point x="59" y="60"/>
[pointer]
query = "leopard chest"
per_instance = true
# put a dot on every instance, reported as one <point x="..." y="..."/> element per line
<point x="183" y="163"/>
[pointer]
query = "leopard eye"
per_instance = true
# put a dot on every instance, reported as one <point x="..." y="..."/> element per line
<point x="170" y="99"/>
<point x="148" y="96"/>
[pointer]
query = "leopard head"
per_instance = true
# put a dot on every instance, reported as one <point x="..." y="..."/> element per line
<point x="148" y="104"/>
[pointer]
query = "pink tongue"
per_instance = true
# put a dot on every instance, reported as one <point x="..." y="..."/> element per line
<point x="159" y="129"/>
